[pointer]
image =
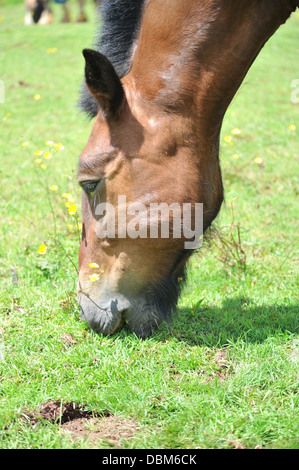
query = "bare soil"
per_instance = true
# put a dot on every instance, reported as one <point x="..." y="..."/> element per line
<point x="80" y="424"/>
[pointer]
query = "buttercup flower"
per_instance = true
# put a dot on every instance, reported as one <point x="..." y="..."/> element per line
<point x="42" y="249"/>
<point x="59" y="146"/>
<point x="48" y="155"/>
<point x="25" y="144"/>
<point x="93" y="265"/>
<point x="68" y="196"/>
<point x="258" y="160"/>
<point x="38" y="160"/>
<point x="37" y="97"/>
<point x="292" y="127"/>
<point x="236" y="131"/>
<point x="43" y="167"/>
<point x="53" y="187"/>
<point x="94" y="277"/>
<point x="72" y="209"/>
<point x="38" y="152"/>
<point x="49" y="142"/>
<point x="236" y="156"/>
<point x="229" y="139"/>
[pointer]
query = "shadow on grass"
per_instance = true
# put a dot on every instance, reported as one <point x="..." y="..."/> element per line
<point x="237" y="318"/>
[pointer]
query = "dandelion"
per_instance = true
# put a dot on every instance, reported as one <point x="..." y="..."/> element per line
<point x="94" y="277"/>
<point x="48" y="155"/>
<point x="229" y="139"/>
<point x="38" y="152"/>
<point x="25" y="144"/>
<point x="236" y="156"/>
<point x="53" y="187"/>
<point x="292" y="127"/>
<point x="42" y="249"/>
<point x="37" y="97"/>
<point x="49" y="142"/>
<point x="235" y="131"/>
<point x="38" y="160"/>
<point x="93" y="265"/>
<point x="72" y="209"/>
<point x="43" y="167"/>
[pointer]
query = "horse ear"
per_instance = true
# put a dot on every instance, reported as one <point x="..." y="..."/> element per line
<point x="103" y="82"/>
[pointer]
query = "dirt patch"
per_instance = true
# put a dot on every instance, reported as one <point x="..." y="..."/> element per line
<point x="109" y="429"/>
<point x="80" y="423"/>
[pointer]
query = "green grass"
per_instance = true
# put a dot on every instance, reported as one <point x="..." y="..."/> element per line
<point x="224" y="373"/>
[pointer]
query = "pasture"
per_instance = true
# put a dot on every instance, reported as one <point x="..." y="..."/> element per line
<point x="224" y="373"/>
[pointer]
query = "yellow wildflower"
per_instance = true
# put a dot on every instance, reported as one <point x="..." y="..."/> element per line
<point x="258" y="160"/>
<point x="94" y="277"/>
<point x="49" y="142"/>
<point x="38" y="152"/>
<point x="53" y="187"/>
<point x="70" y="226"/>
<point x="48" y="155"/>
<point x="80" y="226"/>
<point x="93" y="265"/>
<point x="292" y="127"/>
<point x="67" y="196"/>
<point x="37" y="97"/>
<point x="43" y="167"/>
<point x="236" y="156"/>
<point x="38" y="160"/>
<point x="229" y="139"/>
<point x="25" y="144"/>
<point x="42" y="249"/>
<point x="59" y="146"/>
<point x="51" y="50"/>
<point x="72" y="209"/>
<point x="235" y="131"/>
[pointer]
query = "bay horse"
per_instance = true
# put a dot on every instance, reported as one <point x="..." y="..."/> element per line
<point x="158" y="84"/>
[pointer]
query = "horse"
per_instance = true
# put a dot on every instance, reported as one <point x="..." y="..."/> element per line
<point x="39" y="11"/>
<point x="157" y="84"/>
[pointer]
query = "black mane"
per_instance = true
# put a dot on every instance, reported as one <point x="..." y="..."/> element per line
<point x="115" y="39"/>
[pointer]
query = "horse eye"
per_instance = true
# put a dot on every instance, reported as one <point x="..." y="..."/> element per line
<point x="89" y="186"/>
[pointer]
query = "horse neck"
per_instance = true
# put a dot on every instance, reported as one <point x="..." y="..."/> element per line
<point x="194" y="55"/>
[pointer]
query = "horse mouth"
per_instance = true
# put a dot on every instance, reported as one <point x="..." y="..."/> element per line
<point x="141" y="321"/>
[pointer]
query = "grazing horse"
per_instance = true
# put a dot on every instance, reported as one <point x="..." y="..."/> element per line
<point x="39" y="11"/>
<point x="158" y="86"/>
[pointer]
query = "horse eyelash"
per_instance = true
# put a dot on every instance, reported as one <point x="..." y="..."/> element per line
<point x="89" y="186"/>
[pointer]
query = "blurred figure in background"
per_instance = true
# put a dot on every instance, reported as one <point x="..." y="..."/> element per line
<point x="39" y="11"/>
